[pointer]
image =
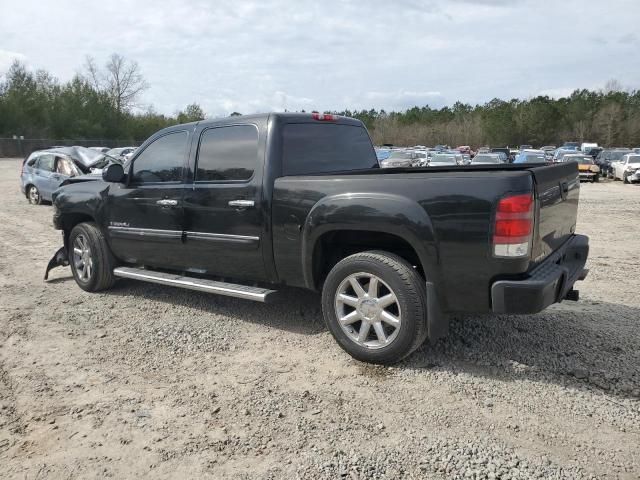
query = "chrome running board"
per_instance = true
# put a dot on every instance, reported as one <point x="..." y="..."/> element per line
<point x="256" y="294"/>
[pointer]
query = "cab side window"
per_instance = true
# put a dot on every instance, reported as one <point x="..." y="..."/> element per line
<point x="162" y="160"/>
<point x="227" y="154"/>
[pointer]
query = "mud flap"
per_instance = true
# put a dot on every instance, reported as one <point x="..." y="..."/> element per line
<point x="59" y="260"/>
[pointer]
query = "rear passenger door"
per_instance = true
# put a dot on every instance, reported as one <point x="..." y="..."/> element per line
<point x="223" y="212"/>
<point x="43" y="175"/>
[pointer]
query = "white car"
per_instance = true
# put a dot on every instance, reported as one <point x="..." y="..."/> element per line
<point x="445" y="160"/>
<point x="487" y="159"/>
<point x="399" y="159"/>
<point x="626" y="168"/>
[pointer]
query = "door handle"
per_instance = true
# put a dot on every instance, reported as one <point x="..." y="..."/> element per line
<point x="242" y="203"/>
<point x="166" y="202"/>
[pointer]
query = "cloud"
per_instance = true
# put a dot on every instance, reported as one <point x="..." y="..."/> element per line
<point x="275" y="54"/>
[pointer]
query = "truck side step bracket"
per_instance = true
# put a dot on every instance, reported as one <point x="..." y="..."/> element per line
<point x="202" y="285"/>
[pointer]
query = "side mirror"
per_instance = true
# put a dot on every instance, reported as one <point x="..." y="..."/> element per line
<point x="114" y="173"/>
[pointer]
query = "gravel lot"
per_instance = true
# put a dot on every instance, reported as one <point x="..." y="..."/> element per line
<point x="152" y="381"/>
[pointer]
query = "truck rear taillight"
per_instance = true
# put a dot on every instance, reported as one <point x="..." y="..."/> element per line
<point x="513" y="226"/>
<point x="324" y="117"/>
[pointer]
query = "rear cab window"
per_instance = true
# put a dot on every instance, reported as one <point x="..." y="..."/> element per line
<point x="316" y="148"/>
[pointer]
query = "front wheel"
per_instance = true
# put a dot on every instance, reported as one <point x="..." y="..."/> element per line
<point x="625" y="177"/>
<point x="91" y="260"/>
<point x="374" y="304"/>
<point x="33" y="195"/>
<point x="596" y="178"/>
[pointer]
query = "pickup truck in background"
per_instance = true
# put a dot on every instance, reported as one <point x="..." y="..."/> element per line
<point x="244" y="205"/>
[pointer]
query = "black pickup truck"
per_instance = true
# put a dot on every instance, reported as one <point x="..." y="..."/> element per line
<point x="243" y="205"/>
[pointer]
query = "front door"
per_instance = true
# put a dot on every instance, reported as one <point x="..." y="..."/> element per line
<point x="223" y="212"/>
<point x="145" y="215"/>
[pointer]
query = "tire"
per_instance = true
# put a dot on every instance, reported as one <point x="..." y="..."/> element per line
<point x="625" y="178"/>
<point x="401" y="293"/>
<point x="92" y="267"/>
<point x="33" y="195"/>
<point x="596" y="179"/>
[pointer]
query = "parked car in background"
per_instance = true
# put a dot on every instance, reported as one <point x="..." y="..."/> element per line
<point x="525" y="147"/>
<point x="444" y="160"/>
<point x="121" y="152"/>
<point x="398" y="159"/>
<point x="382" y="153"/>
<point x="530" y="156"/>
<point x="636" y="150"/>
<point x="506" y="151"/>
<point x="487" y="159"/>
<point x="587" y="168"/>
<point x="627" y="167"/>
<point x="44" y="170"/>
<point x="559" y="154"/>
<point x="586" y="146"/>
<point x="548" y="152"/>
<point x="594" y="152"/>
<point x="100" y="149"/>
<point x="571" y="145"/>
<point x="606" y="157"/>
<point x="484" y="150"/>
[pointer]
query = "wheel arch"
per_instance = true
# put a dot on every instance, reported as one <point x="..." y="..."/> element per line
<point x="350" y="223"/>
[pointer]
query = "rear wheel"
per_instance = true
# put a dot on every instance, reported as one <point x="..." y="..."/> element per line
<point x="374" y="304"/>
<point x="33" y="195"/>
<point x="91" y="260"/>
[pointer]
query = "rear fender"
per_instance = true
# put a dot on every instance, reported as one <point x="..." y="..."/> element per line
<point x="374" y="212"/>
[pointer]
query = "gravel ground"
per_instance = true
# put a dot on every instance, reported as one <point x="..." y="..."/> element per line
<point x="152" y="381"/>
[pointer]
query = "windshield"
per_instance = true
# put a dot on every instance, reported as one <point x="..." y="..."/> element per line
<point x="486" y="159"/>
<point x="584" y="160"/>
<point x="400" y="155"/>
<point x="444" y="159"/>
<point x="634" y="159"/>
<point x="613" y="154"/>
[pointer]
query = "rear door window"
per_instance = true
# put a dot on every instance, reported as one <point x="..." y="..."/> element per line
<point x="326" y="147"/>
<point x="227" y="154"/>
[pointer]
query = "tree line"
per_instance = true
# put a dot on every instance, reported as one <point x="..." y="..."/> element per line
<point x="102" y="103"/>
<point x="99" y="103"/>
<point x="610" y="117"/>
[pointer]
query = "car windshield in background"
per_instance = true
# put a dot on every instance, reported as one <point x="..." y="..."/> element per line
<point x="613" y="155"/>
<point x="483" y="158"/>
<point x="439" y="158"/>
<point x="584" y="160"/>
<point x="530" y="158"/>
<point x="634" y="159"/>
<point x="400" y="156"/>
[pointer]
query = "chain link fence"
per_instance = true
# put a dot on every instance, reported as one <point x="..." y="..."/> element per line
<point x="17" y="147"/>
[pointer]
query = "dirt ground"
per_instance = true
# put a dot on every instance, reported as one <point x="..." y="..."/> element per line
<point x="149" y="381"/>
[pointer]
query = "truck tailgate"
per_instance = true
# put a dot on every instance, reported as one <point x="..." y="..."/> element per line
<point x="557" y="188"/>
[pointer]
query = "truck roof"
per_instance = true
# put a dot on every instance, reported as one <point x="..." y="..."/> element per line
<point x="282" y="117"/>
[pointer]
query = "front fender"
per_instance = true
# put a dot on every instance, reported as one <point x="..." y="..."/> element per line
<point x="374" y="212"/>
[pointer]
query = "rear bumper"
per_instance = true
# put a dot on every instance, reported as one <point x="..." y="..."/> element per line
<point x="588" y="175"/>
<point x="547" y="283"/>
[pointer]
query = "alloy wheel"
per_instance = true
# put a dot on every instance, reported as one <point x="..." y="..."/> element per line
<point x="368" y="310"/>
<point x="82" y="258"/>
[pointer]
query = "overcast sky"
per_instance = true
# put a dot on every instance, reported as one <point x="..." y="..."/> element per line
<point x="265" y="55"/>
